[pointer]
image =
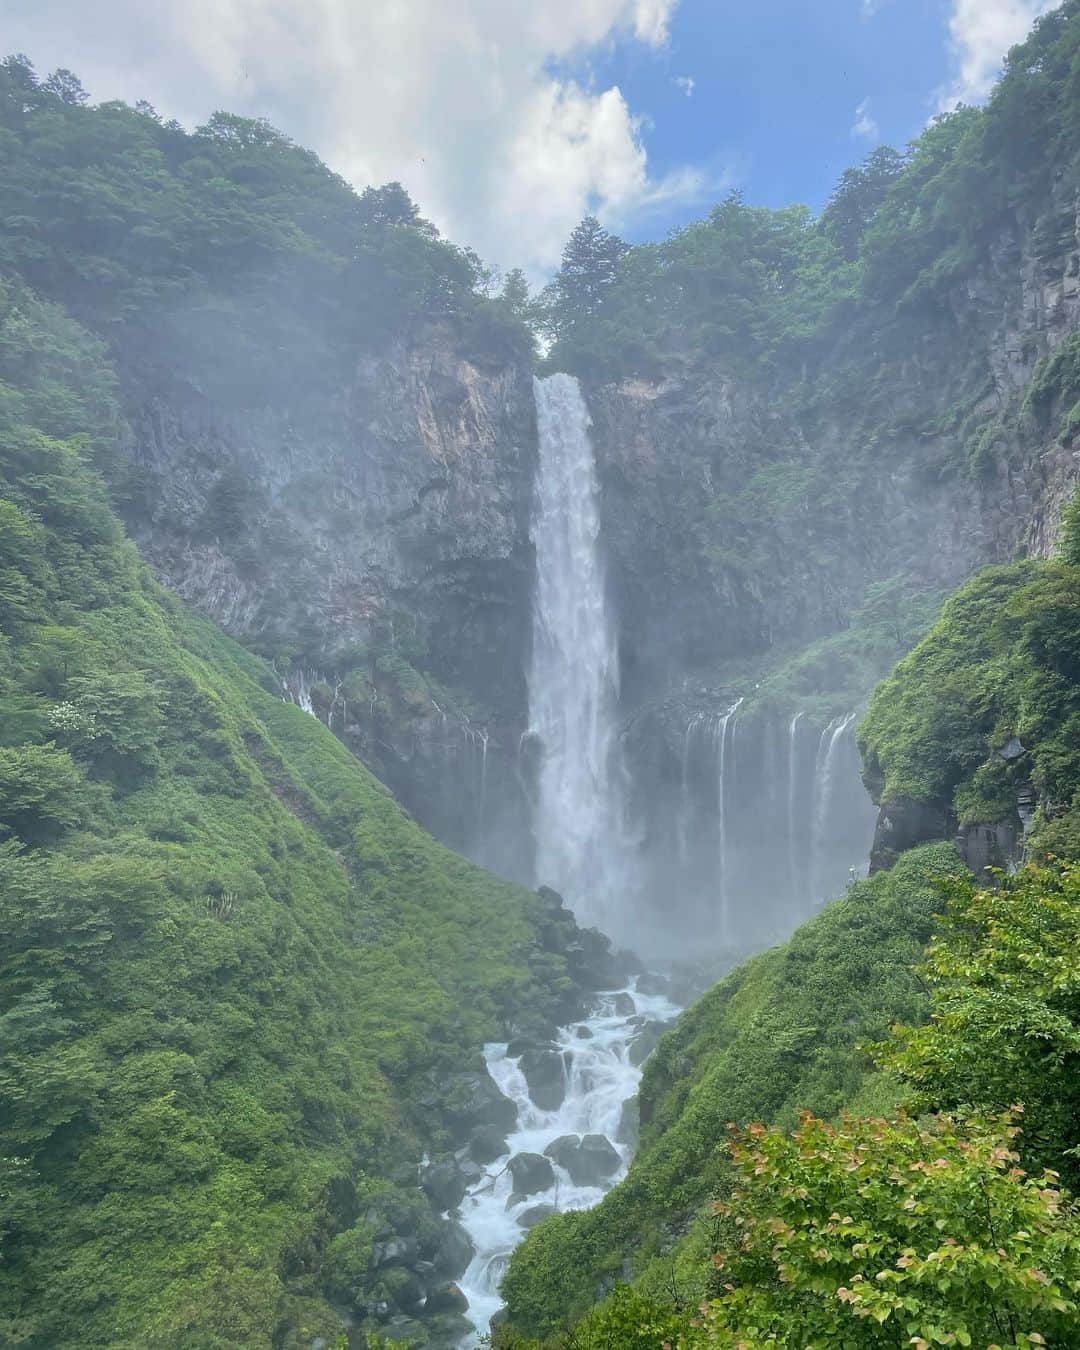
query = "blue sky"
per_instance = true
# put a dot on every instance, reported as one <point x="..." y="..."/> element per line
<point x="509" y="119"/>
<point x="776" y="87"/>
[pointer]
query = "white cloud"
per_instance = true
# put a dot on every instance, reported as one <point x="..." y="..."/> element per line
<point x="865" y="125"/>
<point x="462" y="100"/>
<point x="686" y="83"/>
<point x="981" y="33"/>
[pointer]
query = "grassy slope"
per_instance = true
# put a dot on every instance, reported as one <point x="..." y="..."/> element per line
<point x="230" y="963"/>
<point x="779" y="1033"/>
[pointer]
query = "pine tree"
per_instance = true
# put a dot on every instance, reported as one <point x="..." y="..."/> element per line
<point x="590" y="262"/>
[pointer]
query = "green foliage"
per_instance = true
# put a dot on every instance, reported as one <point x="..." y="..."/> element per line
<point x="229" y="250"/>
<point x="1005" y="997"/>
<point x="877" y="1234"/>
<point x="781" y="1032"/>
<point x="1002" y="662"/>
<point x="232" y="969"/>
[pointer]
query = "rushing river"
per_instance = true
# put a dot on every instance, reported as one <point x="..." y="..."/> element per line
<point x="600" y="1078"/>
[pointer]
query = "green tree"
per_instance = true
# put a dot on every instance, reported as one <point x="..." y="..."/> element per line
<point x="590" y="264"/>
<point x="1005" y="1027"/>
<point x="875" y="1234"/>
<point x="858" y="195"/>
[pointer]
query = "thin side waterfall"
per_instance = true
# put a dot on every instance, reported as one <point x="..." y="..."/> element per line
<point x="793" y="801"/>
<point x="824" y="783"/>
<point x="583" y="847"/>
<point x="723" y="896"/>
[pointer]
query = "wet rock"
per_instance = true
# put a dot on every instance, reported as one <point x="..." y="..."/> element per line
<point x="590" y="1161"/>
<point x="599" y="1159"/>
<point x="486" y="1143"/>
<point x="449" y="1330"/>
<point x="564" y="1147"/>
<point x="407" y="1331"/>
<point x="653" y="985"/>
<point x="454" y="1251"/>
<point x="445" y="1183"/>
<point x="465" y="1100"/>
<point x="642" y="1046"/>
<point x="629" y="1130"/>
<point x="545" y="1075"/>
<point x="446" y="1298"/>
<point x="529" y="1218"/>
<point x="532" y="1172"/>
<point x="395" y="1251"/>
<point x="624" y="1005"/>
<point x="583" y="1032"/>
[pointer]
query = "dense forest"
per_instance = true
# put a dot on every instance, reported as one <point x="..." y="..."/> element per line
<point x="249" y="999"/>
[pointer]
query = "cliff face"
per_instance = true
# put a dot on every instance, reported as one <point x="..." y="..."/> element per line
<point x="397" y="509"/>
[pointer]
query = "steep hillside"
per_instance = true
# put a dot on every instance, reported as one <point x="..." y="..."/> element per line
<point x="975" y="732"/>
<point x="780" y="1033"/>
<point x="241" y="991"/>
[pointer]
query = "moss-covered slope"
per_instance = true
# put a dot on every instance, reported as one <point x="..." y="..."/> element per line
<point x="237" y="981"/>
<point x="977" y="728"/>
<point x="780" y="1033"/>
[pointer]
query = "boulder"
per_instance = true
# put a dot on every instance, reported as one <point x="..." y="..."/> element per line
<point x="406" y="1331"/>
<point x="465" y="1100"/>
<point x="532" y="1172"/>
<point x="445" y="1183"/>
<point x="529" y="1218"/>
<point x="590" y="1161"/>
<point x="486" y="1143"/>
<point x="583" y="1032"/>
<point x="446" y="1298"/>
<point x="395" y="1251"/>
<point x="454" y="1251"/>
<point x="624" y="1005"/>
<point x="642" y="1046"/>
<point x="629" y="1130"/>
<point x="545" y="1074"/>
<point x="598" y="1159"/>
<point x="653" y="985"/>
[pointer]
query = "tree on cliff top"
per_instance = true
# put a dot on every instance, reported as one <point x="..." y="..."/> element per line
<point x="590" y="263"/>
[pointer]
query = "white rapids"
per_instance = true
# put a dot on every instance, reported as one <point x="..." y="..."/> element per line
<point x="600" y="1080"/>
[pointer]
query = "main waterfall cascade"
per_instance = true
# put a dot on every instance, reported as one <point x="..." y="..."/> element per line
<point x="583" y="846"/>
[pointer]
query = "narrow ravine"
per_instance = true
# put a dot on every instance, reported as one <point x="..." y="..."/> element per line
<point x="568" y="1156"/>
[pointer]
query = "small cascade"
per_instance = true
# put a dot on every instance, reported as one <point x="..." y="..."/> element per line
<point x="824" y="788"/>
<point x="601" y="1074"/>
<point x="583" y="847"/>
<point x="794" y="875"/>
<point x="722" y="858"/>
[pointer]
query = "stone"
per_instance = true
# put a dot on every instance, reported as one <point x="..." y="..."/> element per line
<point x="486" y="1143"/>
<point x="466" y="1100"/>
<point x="395" y="1251"/>
<point x="532" y="1173"/>
<point x="529" y="1218"/>
<point x="653" y="985"/>
<point x="545" y="1074"/>
<point x="445" y="1184"/>
<point x="407" y="1331"/>
<point x="589" y="1160"/>
<point x="446" y="1298"/>
<point x="642" y="1046"/>
<point x="629" y="1129"/>
<point x="583" y="1032"/>
<point x="454" y="1251"/>
<point x="624" y="1005"/>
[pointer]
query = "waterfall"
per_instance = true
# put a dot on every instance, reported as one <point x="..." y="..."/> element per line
<point x="582" y="844"/>
<point x="824" y="783"/>
<point x="722" y="724"/>
<point x="792" y="802"/>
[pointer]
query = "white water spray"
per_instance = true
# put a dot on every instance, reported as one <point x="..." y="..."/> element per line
<point x="600" y="1078"/>
<point x="583" y="847"/>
